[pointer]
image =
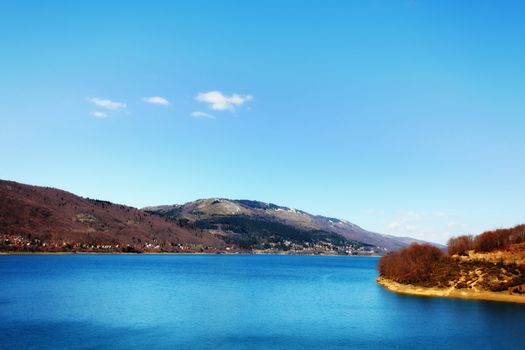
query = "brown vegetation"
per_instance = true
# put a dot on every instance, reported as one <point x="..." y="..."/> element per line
<point x="488" y="241"/>
<point x="413" y="264"/>
<point x="41" y="219"/>
<point x="490" y="261"/>
<point x="46" y="219"/>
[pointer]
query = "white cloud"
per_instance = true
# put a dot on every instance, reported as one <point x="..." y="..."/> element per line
<point x="200" y="115"/>
<point x="394" y="225"/>
<point x="402" y="227"/>
<point x="157" y="100"/>
<point x="216" y="100"/>
<point x="108" y="104"/>
<point x="98" y="114"/>
<point x="433" y="226"/>
<point x="411" y="214"/>
<point x="454" y="224"/>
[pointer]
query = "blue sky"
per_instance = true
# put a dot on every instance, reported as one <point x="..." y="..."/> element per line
<point x="404" y="117"/>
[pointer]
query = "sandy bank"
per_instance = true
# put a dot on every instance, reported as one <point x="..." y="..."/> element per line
<point x="450" y="292"/>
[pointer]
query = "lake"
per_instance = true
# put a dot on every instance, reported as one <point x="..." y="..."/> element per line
<point x="232" y="302"/>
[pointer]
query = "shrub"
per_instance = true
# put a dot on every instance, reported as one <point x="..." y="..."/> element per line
<point x="460" y="245"/>
<point x="499" y="239"/>
<point x="413" y="264"/>
<point x="487" y="241"/>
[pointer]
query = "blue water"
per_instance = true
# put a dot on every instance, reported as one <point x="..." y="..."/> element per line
<point x="232" y="302"/>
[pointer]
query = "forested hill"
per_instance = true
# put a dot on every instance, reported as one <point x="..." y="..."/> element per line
<point x="36" y="218"/>
<point x="265" y="226"/>
<point x="46" y="219"/>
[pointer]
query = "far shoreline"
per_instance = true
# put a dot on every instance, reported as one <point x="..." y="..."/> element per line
<point x="174" y="253"/>
<point x="409" y="289"/>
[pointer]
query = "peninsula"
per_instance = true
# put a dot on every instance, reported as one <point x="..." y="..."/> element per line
<point x="490" y="266"/>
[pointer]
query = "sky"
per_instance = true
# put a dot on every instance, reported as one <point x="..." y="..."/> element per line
<point x="404" y="117"/>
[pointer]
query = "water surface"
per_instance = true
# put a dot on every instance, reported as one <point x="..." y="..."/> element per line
<point x="232" y="302"/>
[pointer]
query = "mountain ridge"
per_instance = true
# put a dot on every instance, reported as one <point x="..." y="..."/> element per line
<point x="204" y="208"/>
<point x="34" y="218"/>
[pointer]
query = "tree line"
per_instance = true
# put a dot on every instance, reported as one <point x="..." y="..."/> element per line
<point x="488" y="241"/>
<point x="420" y="262"/>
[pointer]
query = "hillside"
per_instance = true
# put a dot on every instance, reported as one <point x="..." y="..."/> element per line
<point x="46" y="219"/>
<point x="489" y="266"/>
<point x="262" y="225"/>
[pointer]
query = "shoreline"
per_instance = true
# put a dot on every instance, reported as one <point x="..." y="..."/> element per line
<point x="409" y="289"/>
<point x="173" y="253"/>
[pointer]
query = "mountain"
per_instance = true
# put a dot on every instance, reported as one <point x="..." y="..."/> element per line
<point x="262" y="225"/>
<point x="47" y="219"/>
<point x="36" y="218"/>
